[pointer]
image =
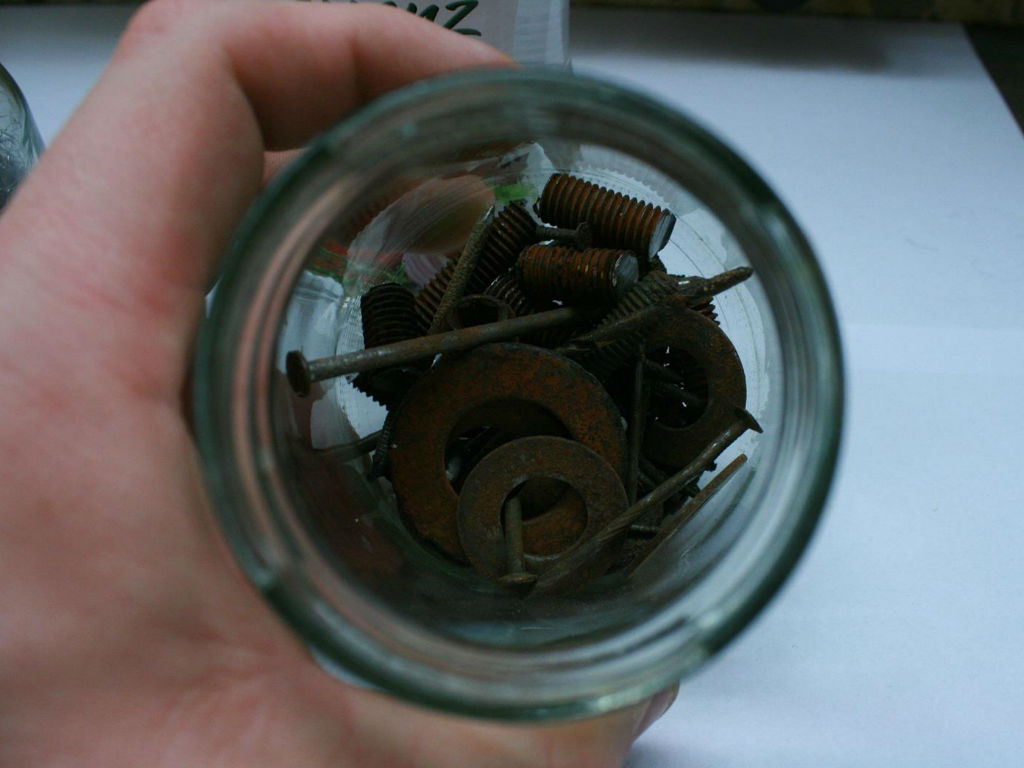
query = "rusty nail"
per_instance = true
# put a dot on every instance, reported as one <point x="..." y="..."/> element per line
<point x="670" y="383"/>
<point x="741" y="423"/>
<point x="564" y="575"/>
<point x="388" y="314"/>
<point x="353" y="450"/>
<point x="509" y="232"/>
<point x="691" y="508"/>
<point x="517" y="575"/>
<point x="706" y="350"/>
<point x="380" y="465"/>
<point x="464" y="267"/>
<point x="302" y="373"/>
<point x="622" y="327"/>
<point x="705" y="287"/>
<point x="580" y="238"/>
<point x="653" y="288"/>
<point x="636" y="429"/>
<point x="672" y="389"/>
<point x="652" y="476"/>
<point x="477" y="309"/>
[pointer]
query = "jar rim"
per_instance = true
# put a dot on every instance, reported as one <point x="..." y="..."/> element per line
<point x="29" y="130"/>
<point x="218" y="431"/>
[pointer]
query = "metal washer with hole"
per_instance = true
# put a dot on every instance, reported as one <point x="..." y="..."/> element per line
<point x="494" y="385"/>
<point x="506" y="469"/>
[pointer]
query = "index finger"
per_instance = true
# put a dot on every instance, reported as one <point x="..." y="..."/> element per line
<point x="142" y="190"/>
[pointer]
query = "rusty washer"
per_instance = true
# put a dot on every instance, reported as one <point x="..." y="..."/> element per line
<point x="500" y="386"/>
<point x="506" y="469"/>
<point x="710" y="348"/>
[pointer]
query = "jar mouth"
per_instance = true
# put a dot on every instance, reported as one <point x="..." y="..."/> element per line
<point x="354" y="633"/>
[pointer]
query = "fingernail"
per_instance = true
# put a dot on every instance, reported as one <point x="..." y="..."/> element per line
<point x="659" y="706"/>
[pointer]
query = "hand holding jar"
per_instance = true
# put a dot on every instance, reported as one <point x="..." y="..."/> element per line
<point x="123" y="611"/>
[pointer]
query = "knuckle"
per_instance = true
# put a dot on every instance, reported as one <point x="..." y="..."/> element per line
<point x="157" y="20"/>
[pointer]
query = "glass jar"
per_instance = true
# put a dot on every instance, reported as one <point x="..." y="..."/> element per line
<point x="20" y="143"/>
<point x="384" y="197"/>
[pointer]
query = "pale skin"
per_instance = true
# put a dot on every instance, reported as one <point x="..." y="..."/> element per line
<point x="127" y="635"/>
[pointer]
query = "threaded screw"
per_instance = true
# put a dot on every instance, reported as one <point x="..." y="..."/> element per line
<point x="512" y="230"/>
<point x="594" y="276"/>
<point x="653" y="287"/>
<point x="389" y="316"/>
<point x="618" y="221"/>
<point x="477" y="309"/>
<point x="506" y="288"/>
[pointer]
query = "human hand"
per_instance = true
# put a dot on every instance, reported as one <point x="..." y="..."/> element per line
<point x="127" y="634"/>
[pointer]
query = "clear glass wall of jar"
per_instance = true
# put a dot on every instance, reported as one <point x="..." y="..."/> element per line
<point x="20" y="143"/>
<point x="384" y="196"/>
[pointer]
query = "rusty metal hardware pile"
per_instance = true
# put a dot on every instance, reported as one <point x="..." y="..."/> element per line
<point x="554" y="396"/>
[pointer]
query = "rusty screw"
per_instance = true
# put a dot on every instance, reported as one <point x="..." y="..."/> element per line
<point x="618" y="221"/>
<point x="461" y="274"/>
<point x="609" y="358"/>
<point x="594" y="276"/>
<point x="511" y="231"/>
<point x="506" y="289"/>
<point x="477" y="309"/>
<point x="380" y="464"/>
<point x="389" y="315"/>
<point x="621" y="329"/>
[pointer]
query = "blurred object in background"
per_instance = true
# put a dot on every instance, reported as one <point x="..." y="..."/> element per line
<point x="1009" y="12"/>
<point x="20" y="143"/>
<point x="530" y="31"/>
<point x="456" y="15"/>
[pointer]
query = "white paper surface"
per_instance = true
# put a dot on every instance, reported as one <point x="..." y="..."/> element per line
<point x="898" y="641"/>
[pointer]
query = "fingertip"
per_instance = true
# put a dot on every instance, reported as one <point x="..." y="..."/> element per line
<point x="658" y="706"/>
<point x="339" y="57"/>
<point x="487" y="55"/>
